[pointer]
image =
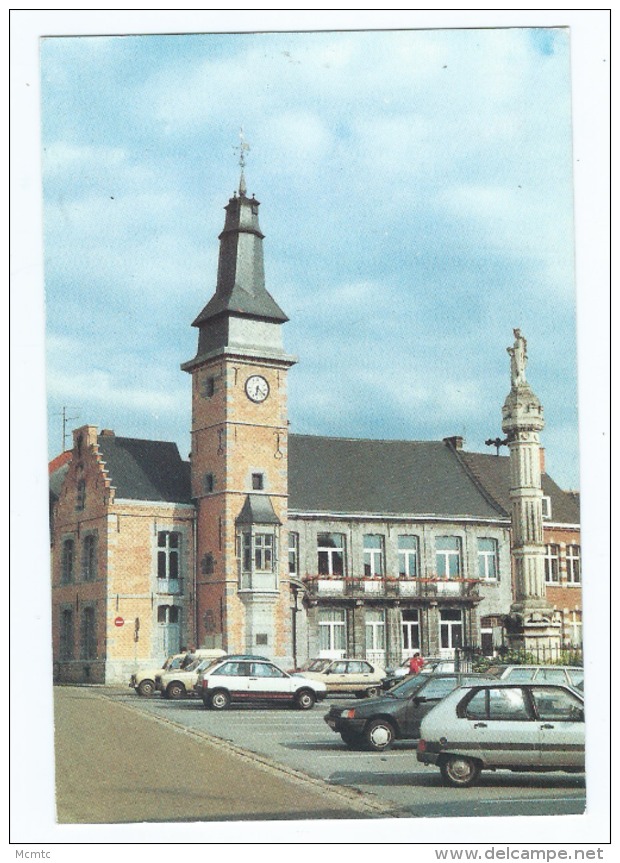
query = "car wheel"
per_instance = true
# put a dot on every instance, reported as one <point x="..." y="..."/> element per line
<point x="219" y="700"/>
<point x="146" y="688"/>
<point x="352" y="740"/>
<point x="175" y="690"/>
<point x="305" y="699"/>
<point x="458" y="771"/>
<point x="378" y="735"/>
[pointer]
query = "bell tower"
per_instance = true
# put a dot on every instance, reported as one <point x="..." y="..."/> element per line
<point x="239" y="456"/>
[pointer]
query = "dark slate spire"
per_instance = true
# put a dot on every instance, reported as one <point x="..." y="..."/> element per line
<point x="241" y="275"/>
<point x="241" y="316"/>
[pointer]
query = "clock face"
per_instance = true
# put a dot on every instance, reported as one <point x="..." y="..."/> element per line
<point x="257" y="388"/>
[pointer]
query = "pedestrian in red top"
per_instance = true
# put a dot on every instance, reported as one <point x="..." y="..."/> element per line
<point x="416" y="664"/>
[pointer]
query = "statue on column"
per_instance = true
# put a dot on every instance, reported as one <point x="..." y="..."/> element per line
<point x="518" y="359"/>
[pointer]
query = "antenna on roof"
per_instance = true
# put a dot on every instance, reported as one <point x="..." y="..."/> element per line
<point x="66" y="419"/>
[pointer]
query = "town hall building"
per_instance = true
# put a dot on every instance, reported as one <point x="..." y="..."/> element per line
<point x="280" y="544"/>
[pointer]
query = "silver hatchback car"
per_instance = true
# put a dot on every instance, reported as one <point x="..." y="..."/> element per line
<point x="523" y="727"/>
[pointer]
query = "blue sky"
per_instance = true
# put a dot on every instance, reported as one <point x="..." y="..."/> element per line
<point x="417" y="203"/>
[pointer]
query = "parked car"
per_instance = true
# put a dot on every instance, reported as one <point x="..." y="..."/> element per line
<point x="312" y="665"/>
<point x="248" y="680"/>
<point x="177" y="683"/>
<point x="431" y="666"/>
<point x="356" y="676"/>
<point x="523" y="727"/>
<point x="571" y="675"/>
<point x="144" y="681"/>
<point x="396" y="714"/>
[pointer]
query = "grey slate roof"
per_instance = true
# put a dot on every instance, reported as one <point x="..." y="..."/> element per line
<point x="145" y="469"/>
<point x="257" y="509"/>
<point x="343" y="475"/>
<point x="493" y="473"/>
<point x="239" y="301"/>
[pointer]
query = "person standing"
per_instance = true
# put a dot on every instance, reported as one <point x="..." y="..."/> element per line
<point x="416" y="663"/>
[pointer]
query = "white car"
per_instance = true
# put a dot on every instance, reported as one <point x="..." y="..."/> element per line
<point x="143" y="681"/>
<point x="523" y="727"/>
<point x="571" y="675"/>
<point x="252" y="680"/>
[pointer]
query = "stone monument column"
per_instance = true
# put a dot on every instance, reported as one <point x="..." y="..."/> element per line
<point x="530" y="624"/>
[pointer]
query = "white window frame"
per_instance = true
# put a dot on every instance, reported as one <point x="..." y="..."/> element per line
<point x="546" y="506"/>
<point x="408" y="556"/>
<point x="374" y="556"/>
<point x="374" y="628"/>
<point x="448" y="554"/>
<point x="331" y="552"/>
<point x="293" y="552"/>
<point x="573" y="565"/>
<point x="451" y="627"/>
<point x="411" y="630"/>
<point x="166" y="551"/>
<point x="552" y="563"/>
<point x="332" y="630"/>
<point x="488" y="558"/>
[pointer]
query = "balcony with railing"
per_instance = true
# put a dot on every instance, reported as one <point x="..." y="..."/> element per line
<point x="432" y="588"/>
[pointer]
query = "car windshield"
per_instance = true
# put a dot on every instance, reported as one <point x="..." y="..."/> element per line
<point x="193" y="665"/>
<point x="408" y="686"/>
<point x="172" y="663"/>
<point x="319" y="665"/>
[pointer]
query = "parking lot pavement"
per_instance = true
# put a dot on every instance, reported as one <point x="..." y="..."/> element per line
<point x="302" y="741"/>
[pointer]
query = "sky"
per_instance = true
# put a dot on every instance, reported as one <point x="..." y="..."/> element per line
<point x="417" y="204"/>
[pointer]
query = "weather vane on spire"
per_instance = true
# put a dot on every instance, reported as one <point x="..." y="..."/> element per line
<point x="243" y="148"/>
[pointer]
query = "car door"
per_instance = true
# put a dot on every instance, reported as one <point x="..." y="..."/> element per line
<point x="360" y="674"/>
<point x="424" y="699"/>
<point x="561" y="727"/>
<point x="336" y="676"/>
<point x="233" y="677"/>
<point x="510" y="735"/>
<point x="268" y="683"/>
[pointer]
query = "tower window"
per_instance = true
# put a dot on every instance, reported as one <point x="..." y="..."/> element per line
<point x="208" y="387"/>
<point x="208" y="483"/>
<point x="258" y="481"/>
<point x="546" y="507"/>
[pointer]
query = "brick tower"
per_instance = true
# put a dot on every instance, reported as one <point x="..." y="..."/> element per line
<point x="530" y="624"/>
<point x="239" y="462"/>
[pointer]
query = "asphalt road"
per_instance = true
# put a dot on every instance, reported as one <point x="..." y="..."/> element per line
<point x="303" y="742"/>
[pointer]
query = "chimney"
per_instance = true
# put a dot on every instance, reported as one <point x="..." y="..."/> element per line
<point x="542" y="459"/>
<point x="84" y="436"/>
<point x="455" y="442"/>
<point x="107" y="433"/>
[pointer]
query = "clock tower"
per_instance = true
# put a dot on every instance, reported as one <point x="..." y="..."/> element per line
<point x="239" y="455"/>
